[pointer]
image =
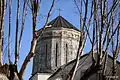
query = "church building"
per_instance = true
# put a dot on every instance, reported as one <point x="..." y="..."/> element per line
<point x="56" y="46"/>
<point x="56" y="56"/>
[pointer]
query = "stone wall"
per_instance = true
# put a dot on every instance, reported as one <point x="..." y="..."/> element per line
<point x="57" y="46"/>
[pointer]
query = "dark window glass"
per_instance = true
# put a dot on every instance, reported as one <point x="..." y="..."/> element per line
<point x="56" y="54"/>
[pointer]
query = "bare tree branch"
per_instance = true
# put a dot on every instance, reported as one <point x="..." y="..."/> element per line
<point x="81" y="42"/>
<point x="115" y="56"/>
<point x="101" y="33"/>
<point x="23" y="22"/>
<point x="94" y="26"/>
<point x="35" y="9"/>
<point x="77" y="6"/>
<point x="2" y="13"/>
<point x="49" y="12"/>
<point x="16" y="35"/>
<point x="9" y="29"/>
<point x="108" y="43"/>
<point x="114" y="5"/>
<point x="35" y="6"/>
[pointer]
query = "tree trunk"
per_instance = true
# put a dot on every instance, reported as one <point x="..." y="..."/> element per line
<point x="2" y="13"/>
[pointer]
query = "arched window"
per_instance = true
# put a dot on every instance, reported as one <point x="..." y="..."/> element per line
<point x="56" y="54"/>
<point x="66" y="52"/>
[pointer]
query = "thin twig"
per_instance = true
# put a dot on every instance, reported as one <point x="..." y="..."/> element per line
<point x="22" y="26"/>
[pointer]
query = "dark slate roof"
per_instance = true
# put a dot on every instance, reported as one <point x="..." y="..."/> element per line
<point x="61" y="22"/>
<point x="86" y="59"/>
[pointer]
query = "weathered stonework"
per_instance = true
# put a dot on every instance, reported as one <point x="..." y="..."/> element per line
<point x="56" y="47"/>
<point x="64" y="40"/>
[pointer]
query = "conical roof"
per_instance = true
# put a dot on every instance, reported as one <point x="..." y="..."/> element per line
<point x="61" y="22"/>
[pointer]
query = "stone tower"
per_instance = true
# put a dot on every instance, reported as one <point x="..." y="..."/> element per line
<point x="57" y="46"/>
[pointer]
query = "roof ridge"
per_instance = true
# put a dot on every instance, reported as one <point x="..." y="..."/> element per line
<point x="59" y="21"/>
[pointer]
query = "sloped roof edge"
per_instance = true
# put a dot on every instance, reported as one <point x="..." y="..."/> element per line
<point x="63" y="66"/>
<point x="59" y="21"/>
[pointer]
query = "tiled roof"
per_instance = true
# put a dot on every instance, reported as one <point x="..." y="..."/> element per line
<point x="61" y="22"/>
<point x="85" y="64"/>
